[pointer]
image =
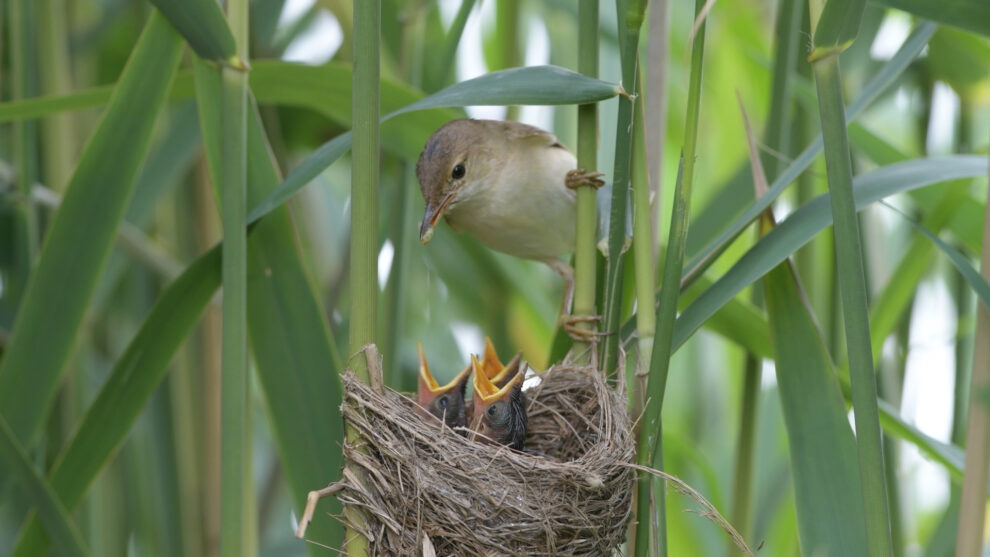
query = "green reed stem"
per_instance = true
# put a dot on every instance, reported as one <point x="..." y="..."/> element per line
<point x="507" y="15"/>
<point x="364" y="183"/>
<point x="644" y="247"/>
<point x="587" y="154"/>
<point x="972" y="507"/>
<point x="364" y="213"/>
<point x="650" y="448"/>
<point x="236" y="519"/>
<point x="630" y="20"/>
<point x="852" y="289"/>
<point x="23" y="62"/>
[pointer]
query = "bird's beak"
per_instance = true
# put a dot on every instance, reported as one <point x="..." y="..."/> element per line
<point x="493" y="368"/>
<point x="432" y="216"/>
<point x="428" y="388"/>
<point x="486" y="392"/>
<point x="490" y="363"/>
<point x="510" y="372"/>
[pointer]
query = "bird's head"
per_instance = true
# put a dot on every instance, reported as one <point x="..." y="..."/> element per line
<point x="445" y="403"/>
<point x="499" y="413"/>
<point x="452" y="159"/>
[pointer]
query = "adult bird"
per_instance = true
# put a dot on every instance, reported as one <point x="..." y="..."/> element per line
<point x="499" y="414"/>
<point x="511" y="186"/>
<point x="442" y="403"/>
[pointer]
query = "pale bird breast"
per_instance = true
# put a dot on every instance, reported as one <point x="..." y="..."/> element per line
<point x="522" y="207"/>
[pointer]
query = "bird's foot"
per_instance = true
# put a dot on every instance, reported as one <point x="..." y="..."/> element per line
<point x="581" y="177"/>
<point x="572" y="325"/>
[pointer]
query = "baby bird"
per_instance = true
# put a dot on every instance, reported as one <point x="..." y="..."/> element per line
<point x="445" y="403"/>
<point x="499" y="414"/>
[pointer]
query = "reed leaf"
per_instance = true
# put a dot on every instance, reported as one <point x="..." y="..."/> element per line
<point x="649" y="445"/>
<point x="135" y="376"/>
<point x="883" y="78"/>
<point x="806" y="222"/>
<point x="738" y="321"/>
<point x="53" y="514"/>
<point x="958" y="260"/>
<point x="821" y="445"/>
<point x="971" y="15"/>
<point x="202" y="24"/>
<point x="77" y="245"/>
<point x="837" y="28"/>
<point x="855" y="307"/>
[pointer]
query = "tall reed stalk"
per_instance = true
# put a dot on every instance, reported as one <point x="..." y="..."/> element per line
<point x="655" y="110"/>
<point x="58" y="131"/>
<point x="644" y="248"/>
<point x="23" y="63"/>
<point x="364" y="183"/>
<point x="972" y="507"/>
<point x="507" y="15"/>
<point x="630" y="19"/>
<point x="364" y="212"/>
<point x="852" y="285"/>
<point x="650" y="449"/>
<point x="587" y="154"/>
<point x="236" y="516"/>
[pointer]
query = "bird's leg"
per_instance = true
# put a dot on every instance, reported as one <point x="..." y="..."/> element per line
<point x="581" y="177"/>
<point x="571" y="323"/>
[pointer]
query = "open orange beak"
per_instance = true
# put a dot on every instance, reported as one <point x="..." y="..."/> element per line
<point x="428" y="388"/>
<point x="486" y="392"/>
<point x="432" y="216"/>
<point x="493" y="368"/>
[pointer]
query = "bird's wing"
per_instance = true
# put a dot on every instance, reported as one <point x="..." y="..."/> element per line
<point x="525" y="132"/>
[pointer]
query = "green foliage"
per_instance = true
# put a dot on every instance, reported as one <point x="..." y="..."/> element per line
<point x="78" y="243"/>
<point x="122" y="297"/>
<point x="822" y="447"/>
<point x="202" y="25"/>
<point x="837" y="27"/>
<point x="52" y="512"/>
<point x="971" y="15"/>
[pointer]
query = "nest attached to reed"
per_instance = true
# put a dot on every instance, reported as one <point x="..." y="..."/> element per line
<point x="424" y="488"/>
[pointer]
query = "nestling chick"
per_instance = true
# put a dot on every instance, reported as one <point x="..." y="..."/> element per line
<point x="499" y="414"/>
<point x="444" y="403"/>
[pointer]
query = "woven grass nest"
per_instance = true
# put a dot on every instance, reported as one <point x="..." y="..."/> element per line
<point x="425" y="488"/>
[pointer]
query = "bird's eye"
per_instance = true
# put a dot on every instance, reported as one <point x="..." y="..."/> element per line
<point x="458" y="172"/>
<point x="492" y="410"/>
<point x="442" y="401"/>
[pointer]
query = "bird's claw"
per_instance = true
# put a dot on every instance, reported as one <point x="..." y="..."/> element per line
<point x="581" y="177"/>
<point x="572" y="326"/>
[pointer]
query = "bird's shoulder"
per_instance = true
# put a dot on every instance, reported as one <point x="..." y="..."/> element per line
<point x="517" y="131"/>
